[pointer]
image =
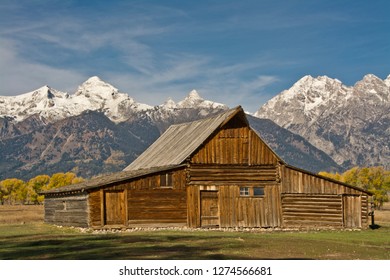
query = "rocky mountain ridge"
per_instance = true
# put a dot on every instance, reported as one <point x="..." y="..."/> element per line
<point x="100" y="130"/>
<point x="349" y="123"/>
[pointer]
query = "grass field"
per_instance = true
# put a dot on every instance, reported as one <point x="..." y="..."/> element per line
<point x="23" y="235"/>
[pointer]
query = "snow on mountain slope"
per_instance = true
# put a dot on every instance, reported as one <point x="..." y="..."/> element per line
<point x="97" y="95"/>
<point x="306" y="100"/>
<point x="49" y="103"/>
<point x="94" y="95"/>
<point x="350" y="123"/>
<point x="52" y="105"/>
<point x="194" y="100"/>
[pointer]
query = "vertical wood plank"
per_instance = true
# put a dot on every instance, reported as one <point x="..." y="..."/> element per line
<point x="102" y="210"/>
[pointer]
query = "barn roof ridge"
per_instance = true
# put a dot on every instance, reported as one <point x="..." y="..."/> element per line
<point x="237" y="108"/>
<point x="179" y="141"/>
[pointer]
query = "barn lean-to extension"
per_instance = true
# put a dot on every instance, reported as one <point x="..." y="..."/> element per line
<point x="215" y="172"/>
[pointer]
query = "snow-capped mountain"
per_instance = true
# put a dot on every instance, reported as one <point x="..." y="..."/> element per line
<point x="98" y="129"/>
<point x="94" y="95"/>
<point x="53" y="105"/>
<point x="97" y="95"/>
<point x="350" y="123"/>
<point x="45" y="101"/>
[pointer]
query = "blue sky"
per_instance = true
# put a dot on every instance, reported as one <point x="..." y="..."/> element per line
<point x="234" y="52"/>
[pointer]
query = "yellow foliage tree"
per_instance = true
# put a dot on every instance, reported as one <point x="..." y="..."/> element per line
<point x="17" y="191"/>
<point x="62" y="179"/>
<point x="374" y="179"/>
<point x="13" y="190"/>
<point x="36" y="185"/>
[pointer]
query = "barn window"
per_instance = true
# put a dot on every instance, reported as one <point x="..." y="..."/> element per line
<point x="257" y="191"/>
<point x="166" y="180"/>
<point x="244" y="191"/>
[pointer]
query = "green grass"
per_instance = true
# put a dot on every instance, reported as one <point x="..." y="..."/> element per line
<point x="42" y="241"/>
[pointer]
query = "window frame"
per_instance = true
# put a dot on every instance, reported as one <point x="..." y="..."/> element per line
<point x="244" y="191"/>
<point x="167" y="179"/>
<point x="249" y="191"/>
<point x="258" y="195"/>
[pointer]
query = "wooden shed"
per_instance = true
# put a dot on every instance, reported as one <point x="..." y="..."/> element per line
<point x="214" y="172"/>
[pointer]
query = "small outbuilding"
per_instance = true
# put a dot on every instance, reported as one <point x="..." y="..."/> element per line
<point x="214" y="172"/>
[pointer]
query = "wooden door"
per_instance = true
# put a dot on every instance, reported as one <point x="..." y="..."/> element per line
<point x="114" y="205"/>
<point x="209" y="212"/>
<point x="352" y="211"/>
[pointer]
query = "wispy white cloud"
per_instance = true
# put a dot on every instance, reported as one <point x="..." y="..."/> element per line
<point x="233" y="52"/>
<point x="19" y="76"/>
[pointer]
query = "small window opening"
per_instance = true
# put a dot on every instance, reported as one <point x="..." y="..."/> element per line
<point x="244" y="191"/>
<point x="258" y="191"/>
<point x="166" y="180"/>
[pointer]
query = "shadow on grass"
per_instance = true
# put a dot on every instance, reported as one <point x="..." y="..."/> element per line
<point x="375" y="226"/>
<point x="110" y="247"/>
<point x="114" y="247"/>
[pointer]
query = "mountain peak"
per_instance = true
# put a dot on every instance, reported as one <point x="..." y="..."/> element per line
<point x="169" y="103"/>
<point x="387" y="81"/>
<point x="97" y="87"/>
<point x="370" y="77"/>
<point x="194" y="95"/>
<point x="94" y="79"/>
<point x="335" y="117"/>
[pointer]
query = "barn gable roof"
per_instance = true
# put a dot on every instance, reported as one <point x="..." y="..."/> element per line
<point x="180" y="141"/>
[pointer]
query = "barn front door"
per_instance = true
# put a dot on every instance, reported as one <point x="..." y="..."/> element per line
<point x="209" y="212"/>
<point x="114" y="205"/>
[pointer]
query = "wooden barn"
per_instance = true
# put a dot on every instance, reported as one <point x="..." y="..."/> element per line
<point x="214" y="172"/>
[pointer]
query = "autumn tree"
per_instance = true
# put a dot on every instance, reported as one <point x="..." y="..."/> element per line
<point x="62" y="179"/>
<point x="334" y="176"/>
<point x="374" y="179"/>
<point x="13" y="190"/>
<point x="35" y="186"/>
<point x="17" y="191"/>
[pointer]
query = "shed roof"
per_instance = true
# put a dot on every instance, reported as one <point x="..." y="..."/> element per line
<point x="179" y="141"/>
<point x="105" y="180"/>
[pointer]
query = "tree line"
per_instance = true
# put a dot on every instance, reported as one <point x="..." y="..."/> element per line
<point x="374" y="179"/>
<point x="16" y="191"/>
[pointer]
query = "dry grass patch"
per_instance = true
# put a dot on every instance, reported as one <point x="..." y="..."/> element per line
<point x="21" y="214"/>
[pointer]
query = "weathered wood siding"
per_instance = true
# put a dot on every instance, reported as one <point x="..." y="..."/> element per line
<point x="157" y="207"/>
<point x="306" y="196"/>
<point x="296" y="181"/>
<point x="365" y="209"/>
<point x="314" y="210"/>
<point x="232" y="174"/>
<point x="235" y="143"/>
<point x="145" y="201"/>
<point x="67" y="210"/>
<point x="235" y="210"/>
